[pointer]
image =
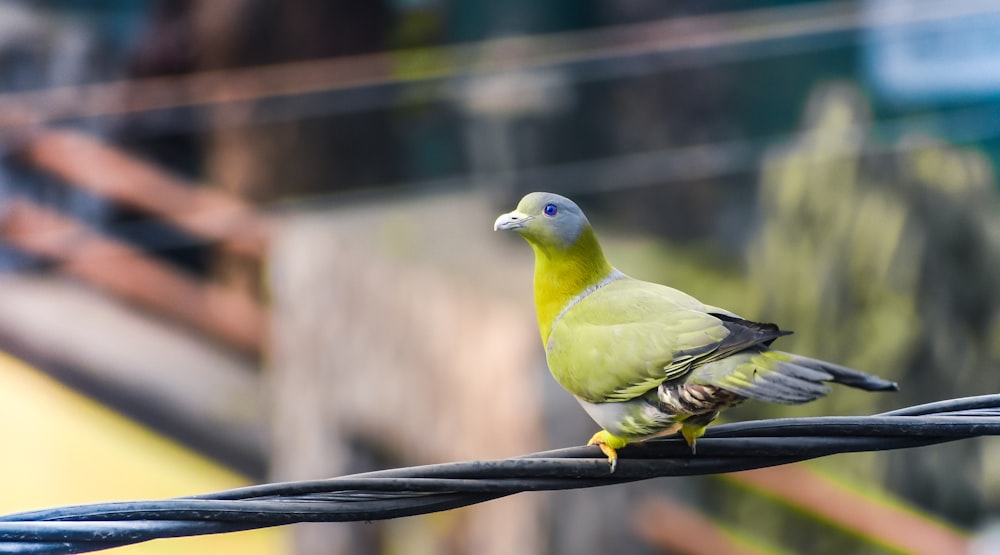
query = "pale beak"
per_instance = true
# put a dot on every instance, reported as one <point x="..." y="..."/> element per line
<point x="510" y="221"/>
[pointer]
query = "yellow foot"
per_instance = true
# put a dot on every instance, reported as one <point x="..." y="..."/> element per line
<point x="609" y="445"/>
<point x="691" y="435"/>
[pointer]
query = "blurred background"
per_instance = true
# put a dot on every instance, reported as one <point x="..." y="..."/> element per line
<point x="250" y="240"/>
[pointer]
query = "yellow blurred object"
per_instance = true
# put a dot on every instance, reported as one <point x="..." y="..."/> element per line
<point x="61" y="448"/>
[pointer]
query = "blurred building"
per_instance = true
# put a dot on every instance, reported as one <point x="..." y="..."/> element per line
<point x="261" y="229"/>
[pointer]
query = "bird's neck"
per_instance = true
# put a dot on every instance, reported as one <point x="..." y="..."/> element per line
<point x="562" y="275"/>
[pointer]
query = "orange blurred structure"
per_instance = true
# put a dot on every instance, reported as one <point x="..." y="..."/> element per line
<point x="124" y="271"/>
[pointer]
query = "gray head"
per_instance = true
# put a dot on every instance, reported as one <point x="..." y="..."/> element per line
<point x="546" y="220"/>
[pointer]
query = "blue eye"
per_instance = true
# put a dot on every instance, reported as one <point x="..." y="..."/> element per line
<point x="550" y="210"/>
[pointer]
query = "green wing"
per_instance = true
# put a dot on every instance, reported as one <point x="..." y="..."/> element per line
<point x="630" y="336"/>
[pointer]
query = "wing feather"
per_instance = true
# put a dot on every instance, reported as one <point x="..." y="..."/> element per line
<point x="631" y="336"/>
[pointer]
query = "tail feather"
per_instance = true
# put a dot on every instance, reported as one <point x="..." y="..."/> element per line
<point x="848" y="376"/>
<point x="778" y="377"/>
<point x="788" y="389"/>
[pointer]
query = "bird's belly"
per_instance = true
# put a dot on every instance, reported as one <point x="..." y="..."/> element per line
<point x="635" y="419"/>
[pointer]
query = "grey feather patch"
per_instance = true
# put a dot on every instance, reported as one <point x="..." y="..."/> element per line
<point x="777" y="387"/>
<point x="800" y="372"/>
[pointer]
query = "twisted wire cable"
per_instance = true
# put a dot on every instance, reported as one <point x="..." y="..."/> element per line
<point x="424" y="489"/>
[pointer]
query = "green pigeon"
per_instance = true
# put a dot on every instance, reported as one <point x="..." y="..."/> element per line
<point x="643" y="359"/>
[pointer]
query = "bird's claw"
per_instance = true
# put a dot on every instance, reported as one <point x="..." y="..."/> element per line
<point x="691" y="435"/>
<point x="604" y="441"/>
<point x="612" y="455"/>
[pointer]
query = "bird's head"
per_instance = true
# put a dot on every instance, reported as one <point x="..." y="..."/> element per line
<point x="546" y="220"/>
<point x="568" y="258"/>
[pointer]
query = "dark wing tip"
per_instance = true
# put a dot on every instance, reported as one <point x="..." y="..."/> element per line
<point x="871" y="383"/>
<point x="858" y="379"/>
<point x="890" y="386"/>
<point x="749" y="332"/>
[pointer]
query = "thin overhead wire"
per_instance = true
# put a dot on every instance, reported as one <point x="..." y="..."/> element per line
<point x="736" y="35"/>
<point x="410" y="491"/>
<point x="611" y="52"/>
<point x="665" y="166"/>
<point x="680" y="164"/>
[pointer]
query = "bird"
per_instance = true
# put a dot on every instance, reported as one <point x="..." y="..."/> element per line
<point x="646" y="360"/>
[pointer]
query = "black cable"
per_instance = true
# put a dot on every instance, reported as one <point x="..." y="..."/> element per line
<point x="416" y="490"/>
